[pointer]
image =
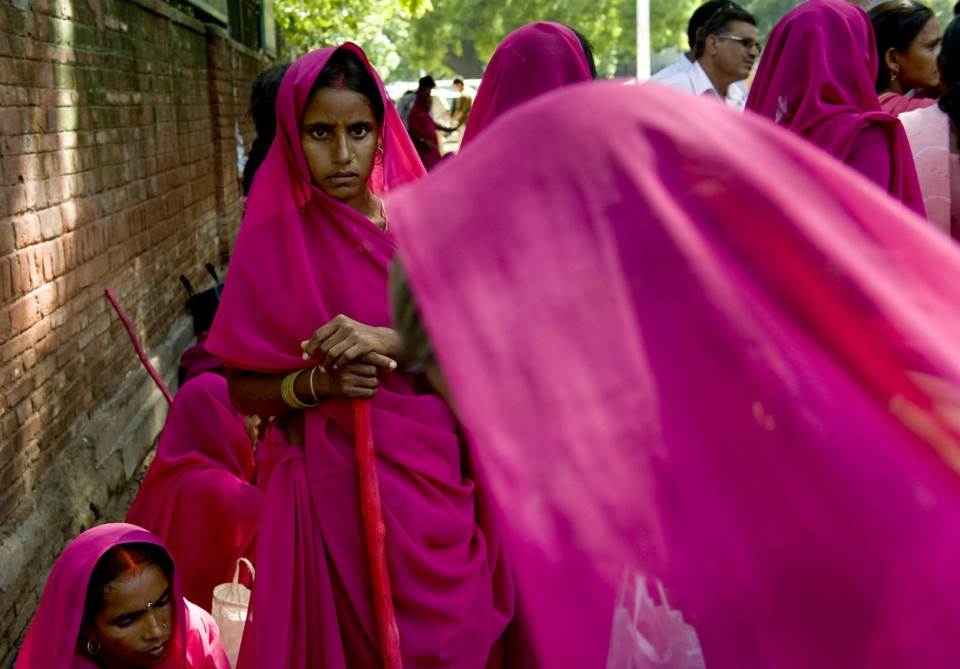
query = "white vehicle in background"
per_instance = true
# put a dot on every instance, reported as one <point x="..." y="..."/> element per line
<point x="442" y="101"/>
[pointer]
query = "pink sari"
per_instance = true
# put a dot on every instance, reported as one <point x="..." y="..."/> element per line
<point x="301" y="259"/>
<point x="51" y="641"/>
<point x="896" y="104"/>
<point x="530" y="61"/>
<point x="816" y="77"/>
<point x="928" y="130"/>
<point x="706" y="352"/>
<point x="198" y="496"/>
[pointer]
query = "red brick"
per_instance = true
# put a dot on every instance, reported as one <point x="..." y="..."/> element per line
<point x="24" y="313"/>
<point x="51" y="225"/>
<point x="26" y="230"/>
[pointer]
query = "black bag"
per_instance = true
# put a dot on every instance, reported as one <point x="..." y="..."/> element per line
<point x="203" y="305"/>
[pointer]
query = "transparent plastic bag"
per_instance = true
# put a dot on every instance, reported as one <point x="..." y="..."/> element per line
<point x="650" y="635"/>
<point x="231" y="602"/>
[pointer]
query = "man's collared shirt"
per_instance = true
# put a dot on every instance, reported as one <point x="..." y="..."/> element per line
<point x="695" y="80"/>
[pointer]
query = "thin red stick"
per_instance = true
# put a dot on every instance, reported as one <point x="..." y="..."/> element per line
<point x="375" y="533"/>
<point x="138" y="347"/>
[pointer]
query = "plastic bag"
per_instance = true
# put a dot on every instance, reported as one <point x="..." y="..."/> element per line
<point x="650" y="635"/>
<point x="231" y="602"/>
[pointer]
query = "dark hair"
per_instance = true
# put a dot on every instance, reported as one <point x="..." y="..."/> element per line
<point x="949" y="62"/>
<point x="115" y="563"/>
<point x="896" y="23"/>
<point x="263" y="111"/>
<point x="346" y="70"/>
<point x="720" y="22"/>
<point x="458" y="80"/>
<point x="426" y="83"/>
<point x="699" y="18"/>
<point x="587" y="51"/>
<point x="406" y="319"/>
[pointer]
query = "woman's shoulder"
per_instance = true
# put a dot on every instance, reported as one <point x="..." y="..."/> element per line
<point x="204" y="650"/>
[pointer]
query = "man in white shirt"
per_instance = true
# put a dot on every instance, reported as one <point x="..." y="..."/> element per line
<point x="697" y="20"/>
<point x="726" y="48"/>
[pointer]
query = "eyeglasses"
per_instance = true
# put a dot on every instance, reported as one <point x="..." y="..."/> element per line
<point x="747" y="42"/>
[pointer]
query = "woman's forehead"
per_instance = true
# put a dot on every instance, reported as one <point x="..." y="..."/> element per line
<point x="135" y="589"/>
<point x="338" y="105"/>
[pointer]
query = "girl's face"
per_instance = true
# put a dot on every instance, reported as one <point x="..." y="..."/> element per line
<point x="133" y="629"/>
<point x="917" y="66"/>
<point x="340" y="136"/>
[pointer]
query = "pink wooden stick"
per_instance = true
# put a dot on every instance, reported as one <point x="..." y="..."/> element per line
<point x="375" y="533"/>
<point x="138" y="347"/>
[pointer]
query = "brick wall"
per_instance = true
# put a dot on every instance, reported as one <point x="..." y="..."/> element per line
<point x="118" y="167"/>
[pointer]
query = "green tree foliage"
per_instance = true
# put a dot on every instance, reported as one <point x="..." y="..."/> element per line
<point x="404" y="38"/>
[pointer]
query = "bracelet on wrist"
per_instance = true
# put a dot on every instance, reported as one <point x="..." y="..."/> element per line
<point x="289" y="394"/>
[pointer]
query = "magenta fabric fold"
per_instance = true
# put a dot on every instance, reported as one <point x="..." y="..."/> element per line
<point x="532" y="60"/>
<point x="817" y="76"/>
<point x="51" y="641"/>
<point x="302" y="258"/>
<point x="704" y="351"/>
<point x="896" y="104"/>
<point x="198" y="495"/>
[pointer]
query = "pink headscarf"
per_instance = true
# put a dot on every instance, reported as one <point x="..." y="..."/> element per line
<point x="816" y="77"/>
<point x="689" y="344"/>
<point x="301" y="259"/>
<point x="532" y="60"/>
<point x="51" y="641"/>
<point x="197" y="495"/>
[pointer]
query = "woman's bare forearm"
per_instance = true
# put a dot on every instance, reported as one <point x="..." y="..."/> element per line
<point x="258" y="394"/>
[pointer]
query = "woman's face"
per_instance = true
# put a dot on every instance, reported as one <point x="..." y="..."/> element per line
<point x="917" y="66"/>
<point x="134" y="627"/>
<point x="339" y="136"/>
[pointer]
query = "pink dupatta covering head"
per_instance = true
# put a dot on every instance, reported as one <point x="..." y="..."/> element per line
<point x="198" y="495"/>
<point x="816" y="77"/>
<point x="689" y="344"/>
<point x="532" y="60"/>
<point x="301" y="259"/>
<point x="51" y="641"/>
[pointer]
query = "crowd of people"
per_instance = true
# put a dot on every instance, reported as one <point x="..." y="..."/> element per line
<point x="659" y="376"/>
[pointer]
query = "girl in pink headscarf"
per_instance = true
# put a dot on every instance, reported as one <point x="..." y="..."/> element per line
<point x="304" y="328"/>
<point x="114" y="599"/>
<point x="816" y="77"/>
<point x="694" y="349"/>
<point x="908" y="43"/>
<point x="198" y="495"/>
<point x="530" y="61"/>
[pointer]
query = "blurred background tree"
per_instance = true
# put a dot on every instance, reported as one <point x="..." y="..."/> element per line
<point x="405" y="38"/>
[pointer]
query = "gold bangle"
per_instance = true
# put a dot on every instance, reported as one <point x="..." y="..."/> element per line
<point x="289" y="394"/>
<point x="313" y="391"/>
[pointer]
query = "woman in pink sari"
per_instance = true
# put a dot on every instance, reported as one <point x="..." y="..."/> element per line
<point x="816" y="77"/>
<point x="933" y="136"/>
<point x="303" y="329"/>
<point x="908" y="43"/>
<point x="705" y="352"/>
<point x="114" y="600"/>
<point x="530" y="61"/>
<point x="198" y="495"/>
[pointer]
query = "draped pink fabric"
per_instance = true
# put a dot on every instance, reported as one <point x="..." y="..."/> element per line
<point x="198" y="495"/>
<point x="928" y="130"/>
<point x="896" y="104"/>
<point x="51" y="640"/>
<point x="705" y="351"/>
<point x="532" y="60"/>
<point x="301" y="259"/>
<point x="816" y="77"/>
<point x="423" y="130"/>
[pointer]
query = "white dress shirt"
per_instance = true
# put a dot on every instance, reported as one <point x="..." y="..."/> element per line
<point x="694" y="80"/>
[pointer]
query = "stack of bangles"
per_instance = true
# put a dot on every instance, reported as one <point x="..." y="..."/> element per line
<point x="288" y="390"/>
